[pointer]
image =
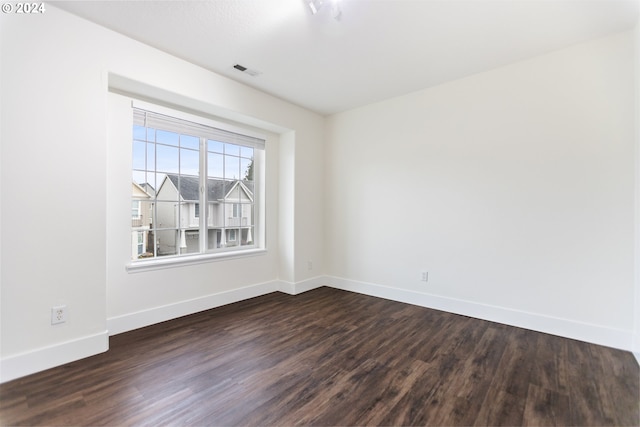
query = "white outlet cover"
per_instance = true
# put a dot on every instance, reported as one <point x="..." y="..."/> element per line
<point x="58" y="314"/>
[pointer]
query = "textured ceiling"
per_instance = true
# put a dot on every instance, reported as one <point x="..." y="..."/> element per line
<point x="379" y="49"/>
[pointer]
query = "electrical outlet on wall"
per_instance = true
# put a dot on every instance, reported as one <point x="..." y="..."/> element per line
<point x="58" y="314"/>
<point x="424" y="276"/>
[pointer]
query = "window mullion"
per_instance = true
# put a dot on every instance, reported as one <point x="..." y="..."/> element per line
<point x="204" y="205"/>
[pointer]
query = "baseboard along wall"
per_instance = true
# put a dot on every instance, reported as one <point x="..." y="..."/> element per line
<point x="595" y="334"/>
<point x="44" y="358"/>
<point x="40" y="359"/>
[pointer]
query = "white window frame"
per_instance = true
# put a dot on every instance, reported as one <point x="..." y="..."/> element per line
<point x="259" y="244"/>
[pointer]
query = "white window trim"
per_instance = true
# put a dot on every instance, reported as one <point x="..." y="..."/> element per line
<point x="183" y="260"/>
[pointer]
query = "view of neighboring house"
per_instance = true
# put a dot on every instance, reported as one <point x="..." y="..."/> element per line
<point x="229" y="214"/>
<point x="141" y="219"/>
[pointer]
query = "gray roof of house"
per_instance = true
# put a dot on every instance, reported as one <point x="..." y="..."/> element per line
<point x="148" y="188"/>
<point x="216" y="188"/>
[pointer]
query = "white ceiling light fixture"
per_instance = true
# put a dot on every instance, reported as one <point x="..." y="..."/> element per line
<point x="336" y="11"/>
<point x="316" y="5"/>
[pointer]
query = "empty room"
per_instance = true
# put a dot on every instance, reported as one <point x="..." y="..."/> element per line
<point x="320" y="212"/>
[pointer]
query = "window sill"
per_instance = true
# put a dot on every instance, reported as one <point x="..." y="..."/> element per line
<point x="181" y="261"/>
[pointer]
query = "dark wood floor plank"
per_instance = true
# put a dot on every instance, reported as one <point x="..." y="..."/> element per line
<point x="586" y="404"/>
<point x="330" y="357"/>
<point x="614" y="383"/>
<point x="415" y="405"/>
<point x="402" y="382"/>
<point x="549" y="368"/>
<point x="469" y="384"/>
<point x="546" y="408"/>
<point x="500" y="408"/>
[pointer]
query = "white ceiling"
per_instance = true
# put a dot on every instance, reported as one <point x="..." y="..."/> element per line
<point x="379" y="49"/>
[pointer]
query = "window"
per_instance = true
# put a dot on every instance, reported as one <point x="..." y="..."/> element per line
<point x="202" y="183"/>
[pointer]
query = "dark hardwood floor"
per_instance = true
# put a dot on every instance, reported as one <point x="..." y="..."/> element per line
<point x="329" y="357"/>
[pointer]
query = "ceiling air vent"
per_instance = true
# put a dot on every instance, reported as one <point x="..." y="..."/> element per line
<point x="246" y="70"/>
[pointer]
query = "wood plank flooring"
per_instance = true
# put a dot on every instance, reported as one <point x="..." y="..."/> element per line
<point x="330" y="357"/>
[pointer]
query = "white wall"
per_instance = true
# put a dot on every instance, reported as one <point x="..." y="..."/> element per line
<point x="636" y="347"/>
<point x="58" y="153"/>
<point x="514" y="188"/>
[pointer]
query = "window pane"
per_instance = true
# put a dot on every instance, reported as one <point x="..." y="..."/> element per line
<point x="139" y="155"/>
<point x="165" y="137"/>
<point x="215" y="146"/>
<point x="189" y="162"/>
<point x="247" y="236"/>
<point x="167" y="215"/>
<point x="153" y="181"/>
<point x="137" y="244"/>
<point x="191" y="242"/>
<point x="151" y="156"/>
<point x="135" y="209"/>
<point x="151" y="134"/>
<point x="233" y="215"/>
<point x="215" y="165"/>
<point x="139" y="177"/>
<point x="249" y="185"/>
<point x="246" y="152"/>
<point x="215" y="192"/>
<point x="139" y="133"/>
<point x="232" y="149"/>
<point x="246" y="168"/>
<point x="167" y="242"/>
<point x="140" y="243"/>
<point x="232" y="167"/>
<point x="188" y="141"/>
<point x="167" y="159"/>
<point x="247" y="214"/>
<point x="186" y="216"/>
<point x="213" y="238"/>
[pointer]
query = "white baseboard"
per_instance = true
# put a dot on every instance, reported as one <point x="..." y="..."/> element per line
<point x="28" y="363"/>
<point x="296" y="288"/>
<point x="128" y="322"/>
<point x="48" y="357"/>
<point x="596" y="334"/>
<point x="140" y="319"/>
